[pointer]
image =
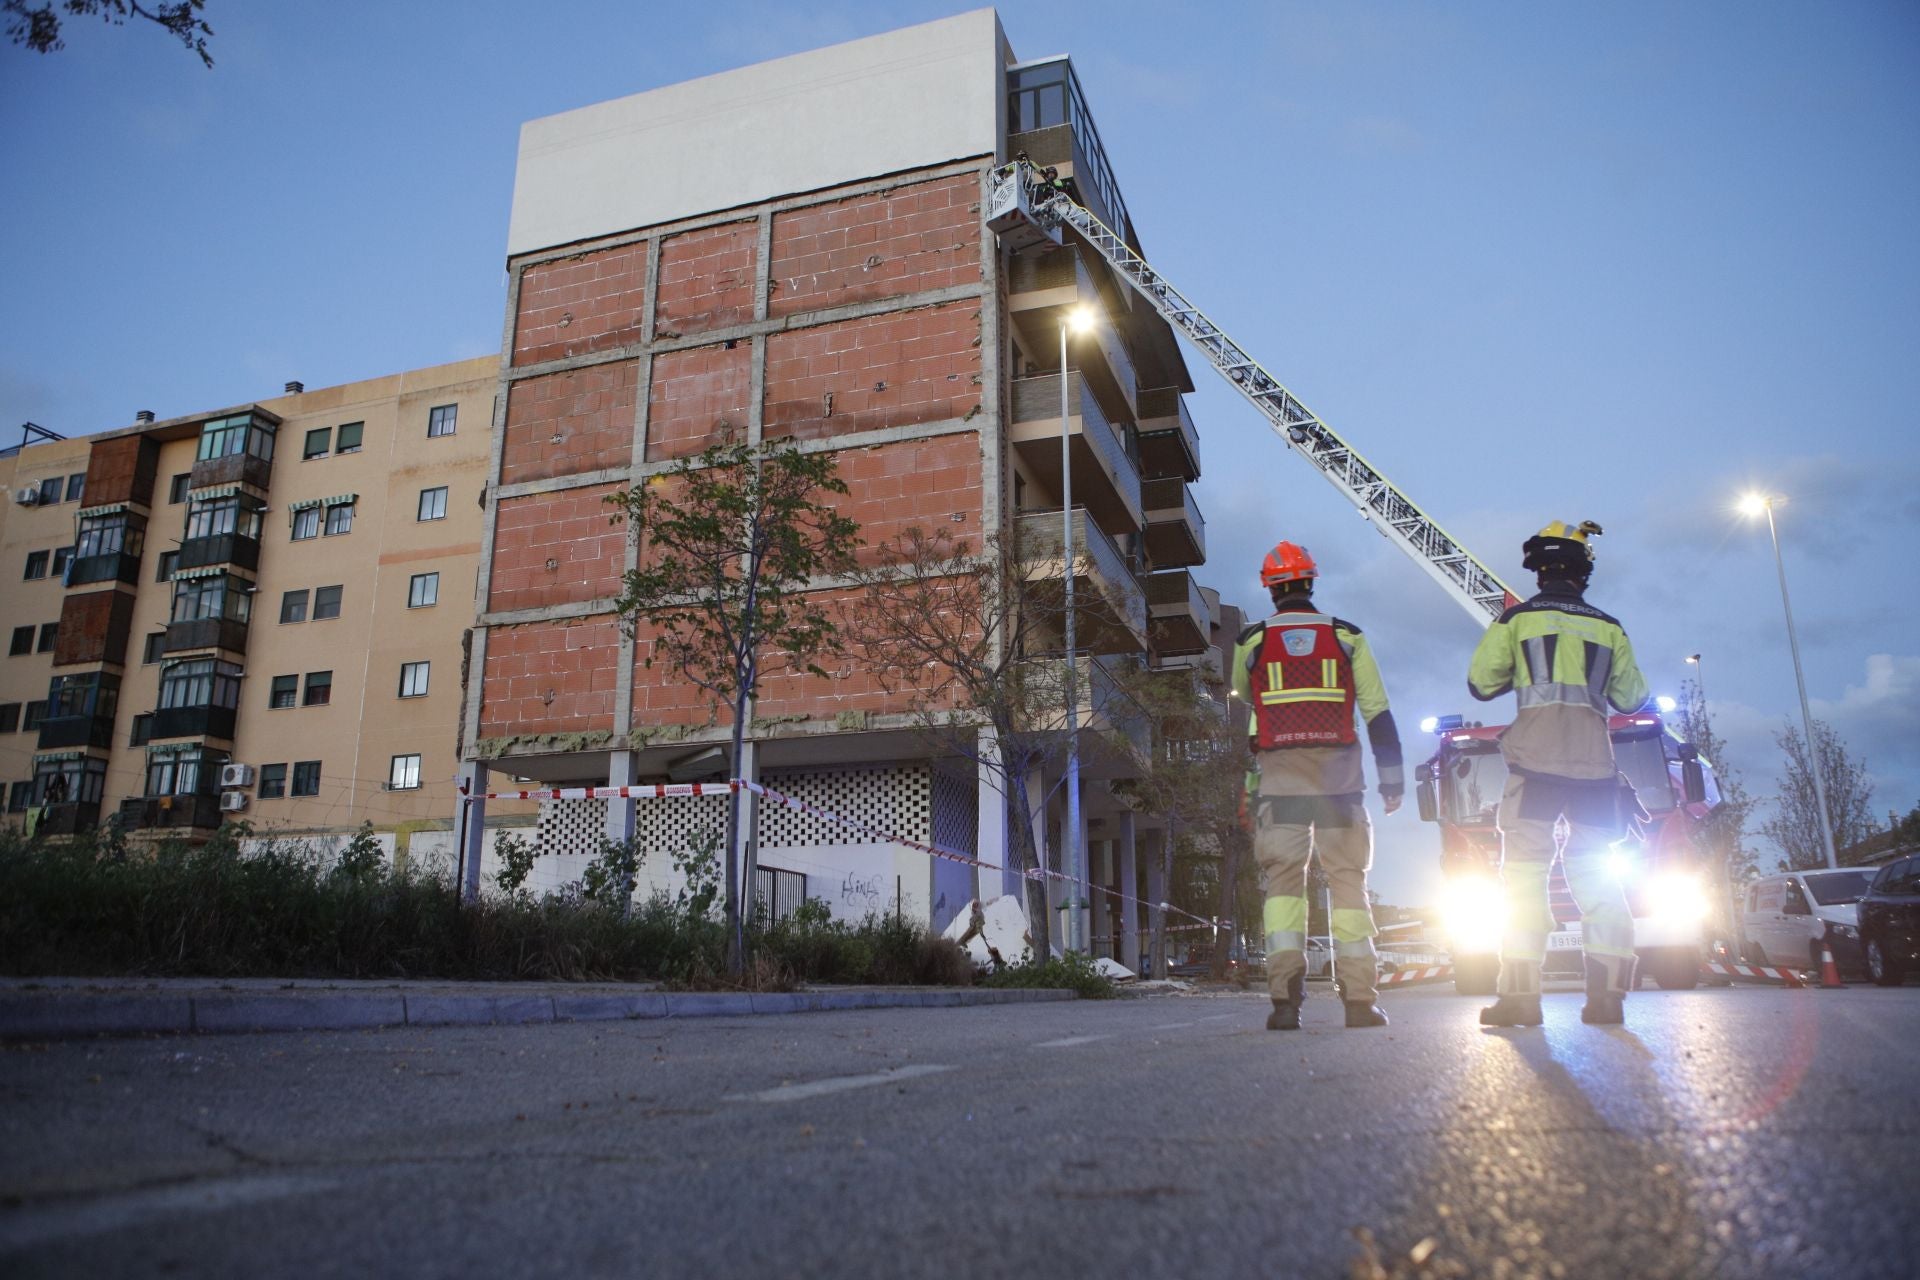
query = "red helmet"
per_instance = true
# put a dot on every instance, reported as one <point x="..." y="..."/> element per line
<point x="1288" y="562"/>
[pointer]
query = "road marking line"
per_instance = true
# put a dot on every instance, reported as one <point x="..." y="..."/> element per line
<point x="1169" y="1026"/>
<point x="837" y="1084"/>
<point x="1217" y="1017"/>
<point x="1068" y="1042"/>
<point x="100" y="1212"/>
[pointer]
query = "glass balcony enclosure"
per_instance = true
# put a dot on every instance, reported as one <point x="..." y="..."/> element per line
<point x="108" y="547"/>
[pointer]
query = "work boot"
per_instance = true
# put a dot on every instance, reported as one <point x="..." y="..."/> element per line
<point x="1285" y="1016"/>
<point x="1604" y="1009"/>
<point x="1365" y="1013"/>
<point x="1512" y="1011"/>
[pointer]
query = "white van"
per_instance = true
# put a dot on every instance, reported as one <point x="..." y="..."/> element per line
<point x="1789" y="915"/>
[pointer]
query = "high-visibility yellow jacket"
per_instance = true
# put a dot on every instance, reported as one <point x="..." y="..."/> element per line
<point x="1326" y="770"/>
<point x="1564" y="661"/>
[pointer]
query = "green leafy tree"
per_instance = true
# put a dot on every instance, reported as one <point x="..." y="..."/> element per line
<point x="1795" y="824"/>
<point x="38" y="27"/>
<point x="730" y="541"/>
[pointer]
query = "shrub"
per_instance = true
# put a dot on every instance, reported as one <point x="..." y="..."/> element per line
<point x="1073" y="972"/>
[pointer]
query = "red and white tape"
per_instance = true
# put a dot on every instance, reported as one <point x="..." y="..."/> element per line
<point x="1409" y="977"/>
<point x="1757" y="973"/>
<point x="653" y="791"/>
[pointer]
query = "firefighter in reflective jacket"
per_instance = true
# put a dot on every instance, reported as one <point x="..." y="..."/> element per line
<point x="1302" y="673"/>
<point x="1565" y="661"/>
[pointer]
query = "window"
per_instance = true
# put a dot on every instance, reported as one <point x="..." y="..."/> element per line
<point x="184" y="771"/>
<point x="318" y="441"/>
<point x="9" y="717"/>
<point x="319" y="689"/>
<point x="76" y="485"/>
<point x="433" y="503"/>
<point x="339" y="518"/>
<point x="49" y="491"/>
<point x="273" y="781"/>
<point x="350" y="433"/>
<point x="423" y="590"/>
<point x="286" y="693"/>
<point x="142" y="731"/>
<point x="108" y="535"/>
<point x="36" y="565"/>
<point x="18" y="797"/>
<point x="169" y="561"/>
<point x="153" y="648"/>
<point x="225" y="437"/>
<point x="441" y="419"/>
<point x="217" y="596"/>
<point x="22" y="642"/>
<point x="201" y="682"/>
<point x="413" y="679"/>
<point x="49" y="636"/>
<point x="62" y="557"/>
<point x="293" y="606"/>
<point x="404" y="773"/>
<point x="306" y="777"/>
<point x="32" y="715"/>
<point x="177" y="488"/>
<point x="217" y="517"/>
<point x="306" y="523"/>
<point x="326" y="602"/>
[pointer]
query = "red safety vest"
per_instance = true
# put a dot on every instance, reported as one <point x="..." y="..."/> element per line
<point x="1302" y="686"/>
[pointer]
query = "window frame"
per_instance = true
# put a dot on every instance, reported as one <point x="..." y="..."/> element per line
<point x="439" y="507"/>
<point x="339" y="591"/>
<point x="323" y="685"/>
<point x="306" y="524"/>
<point x="9" y="717"/>
<point x="273" y="782"/>
<point x="432" y="579"/>
<point x="398" y="770"/>
<point x="283" y="693"/>
<point x="325" y="437"/>
<point x="178" y="487"/>
<point x="49" y="637"/>
<point x="327" y="529"/>
<point x="305" y="778"/>
<point x="416" y="673"/>
<point x="76" y="487"/>
<point x="36" y="560"/>
<point x="153" y="648"/>
<point x="21" y="643"/>
<point x="443" y="420"/>
<point x="340" y="445"/>
<point x="168" y="562"/>
<point x="294" y="602"/>
<point x="50" y="488"/>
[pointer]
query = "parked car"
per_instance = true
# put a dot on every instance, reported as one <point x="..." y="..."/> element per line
<point x="1789" y="917"/>
<point x="1889" y="922"/>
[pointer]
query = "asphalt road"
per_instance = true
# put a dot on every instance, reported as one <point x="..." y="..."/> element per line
<point x="1745" y="1132"/>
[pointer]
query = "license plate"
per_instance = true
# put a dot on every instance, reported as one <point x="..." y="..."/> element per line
<point x="1568" y="941"/>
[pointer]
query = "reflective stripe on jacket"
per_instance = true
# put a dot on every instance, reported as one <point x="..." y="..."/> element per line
<point x="1369" y="691"/>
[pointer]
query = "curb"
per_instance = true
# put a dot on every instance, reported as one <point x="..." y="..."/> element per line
<point x="59" y="1016"/>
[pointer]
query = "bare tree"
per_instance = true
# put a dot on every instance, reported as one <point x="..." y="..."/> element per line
<point x="1795" y="824"/>
<point x="1721" y="839"/>
<point x="38" y="28"/>
<point x="730" y="541"/>
<point x="972" y="640"/>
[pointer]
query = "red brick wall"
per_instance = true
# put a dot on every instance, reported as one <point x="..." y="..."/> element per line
<point x="893" y="487"/>
<point x="705" y="280"/>
<point x="591" y="411"/>
<point x="550" y="677"/>
<point x="889" y="370"/>
<point x="573" y="306"/>
<point x="695" y="397"/>
<point x="568" y="528"/>
<point x="925" y="236"/>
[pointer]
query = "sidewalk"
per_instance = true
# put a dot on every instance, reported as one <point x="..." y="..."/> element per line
<point x="63" y="1008"/>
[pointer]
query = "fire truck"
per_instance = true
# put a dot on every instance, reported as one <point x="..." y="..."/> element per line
<point x="1669" y="883"/>
<point x="1460" y="787"/>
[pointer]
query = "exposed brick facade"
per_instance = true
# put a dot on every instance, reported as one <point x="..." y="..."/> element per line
<point x="926" y="236"/>
<point x="889" y="370"/>
<point x="705" y="280"/>
<point x="550" y="677"/>
<point x="556" y="548"/>
<point x="574" y="306"/>
<point x="561" y="424"/>
<point x="893" y="487"/>
<point x="697" y="396"/>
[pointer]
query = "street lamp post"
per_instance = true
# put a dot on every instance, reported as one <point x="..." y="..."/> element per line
<point x="1752" y="505"/>
<point x="1699" y="679"/>
<point x="1077" y="320"/>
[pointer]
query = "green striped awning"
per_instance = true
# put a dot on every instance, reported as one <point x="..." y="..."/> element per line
<point x="108" y="509"/>
<point x="173" y="748"/>
<point x="340" y="500"/>
<point x="203" y="571"/>
<point x="54" y="757"/>
<point x="304" y="503"/>
<point x="215" y="491"/>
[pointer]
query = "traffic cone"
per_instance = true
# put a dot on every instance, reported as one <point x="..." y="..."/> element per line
<point x="1829" y="971"/>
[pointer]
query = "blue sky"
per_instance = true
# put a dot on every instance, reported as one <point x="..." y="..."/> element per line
<point x="1538" y="262"/>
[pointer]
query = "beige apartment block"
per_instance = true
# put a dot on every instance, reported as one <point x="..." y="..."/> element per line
<point x="265" y="616"/>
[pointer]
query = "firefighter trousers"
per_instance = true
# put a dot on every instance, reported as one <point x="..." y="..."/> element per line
<point x="1287" y="830"/>
<point x="1529" y="809"/>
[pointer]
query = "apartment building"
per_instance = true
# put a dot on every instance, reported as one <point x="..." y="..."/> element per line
<point x="795" y="251"/>
<point x="256" y="611"/>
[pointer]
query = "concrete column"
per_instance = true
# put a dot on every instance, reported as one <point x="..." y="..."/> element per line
<point x="620" y="824"/>
<point x="470" y="828"/>
<point x="1156" y="894"/>
<point x="1130" y="887"/>
<point x="992" y="844"/>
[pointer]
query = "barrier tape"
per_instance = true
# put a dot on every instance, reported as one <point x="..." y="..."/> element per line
<point x="1408" y="977"/>
<point x="1756" y="973"/>
<point x="657" y="791"/>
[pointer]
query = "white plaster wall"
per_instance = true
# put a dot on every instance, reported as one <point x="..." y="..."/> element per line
<point x="918" y="96"/>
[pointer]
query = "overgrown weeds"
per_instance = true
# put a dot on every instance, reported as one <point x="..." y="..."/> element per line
<point x="1073" y="971"/>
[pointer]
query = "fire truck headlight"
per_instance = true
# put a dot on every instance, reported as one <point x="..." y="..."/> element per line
<point x="1621" y="866"/>
<point x="1430" y="724"/>
<point x="1475" y="911"/>
<point x="1665" y="704"/>
<point x="1678" y="896"/>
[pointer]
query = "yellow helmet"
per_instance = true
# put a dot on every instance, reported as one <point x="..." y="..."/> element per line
<point x="1561" y="546"/>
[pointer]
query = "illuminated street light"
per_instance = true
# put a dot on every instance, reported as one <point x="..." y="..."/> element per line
<point x="1754" y="504"/>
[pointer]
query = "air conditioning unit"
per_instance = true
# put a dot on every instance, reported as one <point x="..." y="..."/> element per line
<point x="233" y="801"/>
<point x="27" y="497"/>
<point x="236" y="775"/>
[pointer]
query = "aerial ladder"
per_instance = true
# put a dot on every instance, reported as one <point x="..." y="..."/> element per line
<point x="1024" y="209"/>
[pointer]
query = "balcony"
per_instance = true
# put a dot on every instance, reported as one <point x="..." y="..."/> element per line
<point x="1110" y="611"/>
<point x="207" y="633"/>
<point x="147" y="813"/>
<point x="1042" y="288"/>
<point x="1176" y="533"/>
<point x="1177" y="619"/>
<point x="234" y="468"/>
<point x="115" y="566"/>
<point x="1105" y="480"/>
<point x="70" y="819"/>
<point x="222" y="548"/>
<point x="1169" y="445"/>
<point x="1207" y="662"/>
<point x="90" y="730"/>
<point x="193" y="722"/>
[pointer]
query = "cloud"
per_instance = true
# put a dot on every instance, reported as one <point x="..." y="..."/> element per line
<point x="1879" y="719"/>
